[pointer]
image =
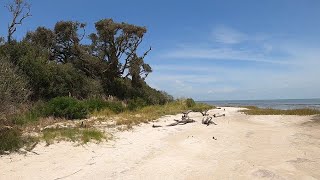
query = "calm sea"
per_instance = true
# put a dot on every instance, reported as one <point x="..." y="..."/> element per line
<point x="275" y="104"/>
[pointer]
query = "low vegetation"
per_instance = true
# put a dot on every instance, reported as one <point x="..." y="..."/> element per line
<point x="252" y="110"/>
<point x="72" y="134"/>
<point x="149" y="113"/>
<point x="11" y="137"/>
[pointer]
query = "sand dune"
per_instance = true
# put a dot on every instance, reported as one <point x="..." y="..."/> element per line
<point x="246" y="147"/>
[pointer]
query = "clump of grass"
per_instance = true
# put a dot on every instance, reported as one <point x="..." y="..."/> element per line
<point x="153" y="112"/>
<point x="91" y="134"/>
<point x="252" y="110"/>
<point x="71" y="134"/>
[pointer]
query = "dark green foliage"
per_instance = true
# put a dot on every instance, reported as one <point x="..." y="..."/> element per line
<point x="190" y="102"/>
<point x="116" y="107"/>
<point x="99" y="104"/>
<point x="136" y="104"/>
<point x="10" y="139"/>
<point x="14" y="88"/>
<point x="66" y="107"/>
<point x="95" y="104"/>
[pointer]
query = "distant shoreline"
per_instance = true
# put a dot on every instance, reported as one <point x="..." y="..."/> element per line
<point x="275" y="104"/>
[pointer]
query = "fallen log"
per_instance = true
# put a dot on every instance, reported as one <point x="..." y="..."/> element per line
<point x="181" y="122"/>
<point x="156" y="126"/>
<point x="219" y="115"/>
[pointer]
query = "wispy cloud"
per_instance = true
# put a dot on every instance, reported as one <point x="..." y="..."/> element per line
<point x="223" y="54"/>
<point x="227" y="35"/>
<point x="261" y="67"/>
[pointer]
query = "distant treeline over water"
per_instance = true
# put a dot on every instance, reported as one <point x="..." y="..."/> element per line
<point x="275" y="104"/>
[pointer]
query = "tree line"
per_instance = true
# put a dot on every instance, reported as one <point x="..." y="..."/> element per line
<point x="49" y="63"/>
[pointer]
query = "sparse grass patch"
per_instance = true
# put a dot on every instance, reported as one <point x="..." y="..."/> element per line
<point x="91" y="134"/>
<point x="251" y="110"/>
<point x="71" y="134"/>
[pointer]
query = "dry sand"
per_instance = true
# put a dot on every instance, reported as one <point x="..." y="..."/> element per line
<point x="247" y="147"/>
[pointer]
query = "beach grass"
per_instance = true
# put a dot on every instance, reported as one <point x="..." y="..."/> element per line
<point x="253" y="110"/>
<point x="149" y="113"/>
<point x="72" y="134"/>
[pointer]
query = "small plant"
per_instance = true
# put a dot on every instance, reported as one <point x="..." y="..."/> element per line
<point x="10" y="139"/>
<point x="66" y="107"/>
<point x="190" y="102"/>
<point x="91" y="134"/>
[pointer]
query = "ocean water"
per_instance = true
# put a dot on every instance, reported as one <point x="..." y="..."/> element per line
<point x="275" y="104"/>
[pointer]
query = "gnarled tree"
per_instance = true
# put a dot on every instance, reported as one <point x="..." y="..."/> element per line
<point x="67" y="41"/>
<point x="20" y="10"/>
<point x="63" y="43"/>
<point x="117" y="44"/>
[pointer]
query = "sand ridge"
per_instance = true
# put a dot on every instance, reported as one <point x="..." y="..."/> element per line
<point x="243" y="147"/>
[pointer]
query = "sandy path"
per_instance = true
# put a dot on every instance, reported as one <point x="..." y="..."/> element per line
<point x="247" y="147"/>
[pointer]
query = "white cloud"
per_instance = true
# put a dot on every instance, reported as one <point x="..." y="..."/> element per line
<point x="226" y="35"/>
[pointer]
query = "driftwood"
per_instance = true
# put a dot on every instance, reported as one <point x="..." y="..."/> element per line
<point x="156" y="126"/>
<point x="204" y="113"/>
<point x="182" y="122"/>
<point x="208" y="121"/>
<point x="219" y="115"/>
<point x="186" y="114"/>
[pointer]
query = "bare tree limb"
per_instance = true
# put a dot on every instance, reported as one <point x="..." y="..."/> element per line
<point x="20" y="10"/>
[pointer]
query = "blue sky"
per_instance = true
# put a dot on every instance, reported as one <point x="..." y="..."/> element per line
<point x="211" y="50"/>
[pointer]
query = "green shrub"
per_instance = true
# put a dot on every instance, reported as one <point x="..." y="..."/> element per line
<point x="95" y="104"/>
<point x="136" y="104"/>
<point x="10" y="139"/>
<point x="190" y="102"/>
<point x="14" y="88"/>
<point x="116" y="106"/>
<point x="66" y="107"/>
<point x="100" y="104"/>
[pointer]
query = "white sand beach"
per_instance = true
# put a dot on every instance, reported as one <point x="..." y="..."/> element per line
<point x="246" y="147"/>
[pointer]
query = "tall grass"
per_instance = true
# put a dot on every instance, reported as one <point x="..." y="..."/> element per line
<point x="149" y="113"/>
<point x="252" y="110"/>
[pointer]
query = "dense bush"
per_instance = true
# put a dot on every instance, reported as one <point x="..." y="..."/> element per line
<point x="136" y="104"/>
<point x="10" y="138"/>
<point x="190" y="102"/>
<point x="116" y="106"/>
<point x="95" y="104"/>
<point x="66" y="107"/>
<point x="13" y="87"/>
<point x="100" y="104"/>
